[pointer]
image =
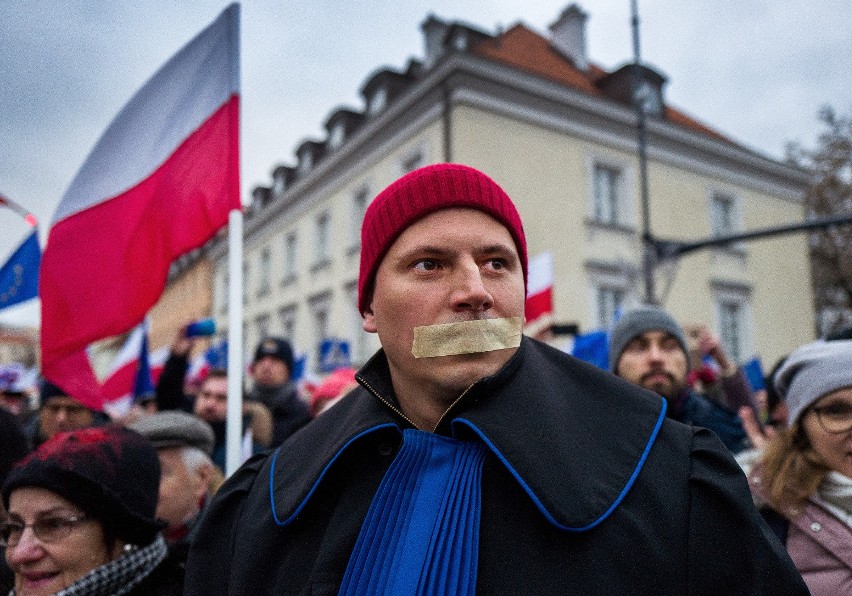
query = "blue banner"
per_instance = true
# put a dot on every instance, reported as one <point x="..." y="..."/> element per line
<point x="592" y="347"/>
<point x="754" y="373"/>
<point x="19" y="276"/>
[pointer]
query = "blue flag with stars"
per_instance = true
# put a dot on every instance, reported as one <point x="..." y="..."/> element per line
<point x="19" y="276"/>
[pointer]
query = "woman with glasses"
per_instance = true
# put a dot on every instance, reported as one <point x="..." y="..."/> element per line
<point x="803" y="481"/>
<point x="80" y="518"/>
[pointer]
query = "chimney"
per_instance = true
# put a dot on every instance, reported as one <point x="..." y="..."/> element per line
<point x="568" y="35"/>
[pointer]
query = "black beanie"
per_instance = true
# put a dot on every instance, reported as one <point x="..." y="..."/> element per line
<point x="110" y="472"/>
<point x="276" y="347"/>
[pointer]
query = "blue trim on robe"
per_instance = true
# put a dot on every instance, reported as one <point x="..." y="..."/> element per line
<point x="547" y="515"/>
<point x="539" y="505"/>
<point x="319" y="478"/>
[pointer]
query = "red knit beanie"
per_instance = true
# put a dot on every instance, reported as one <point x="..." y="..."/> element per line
<point x="421" y="192"/>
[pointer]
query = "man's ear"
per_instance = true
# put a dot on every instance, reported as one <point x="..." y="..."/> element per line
<point x="369" y="319"/>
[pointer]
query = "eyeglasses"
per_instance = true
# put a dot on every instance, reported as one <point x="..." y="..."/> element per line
<point x="835" y="418"/>
<point x="48" y="529"/>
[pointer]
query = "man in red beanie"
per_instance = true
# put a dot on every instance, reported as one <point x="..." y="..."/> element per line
<point x="472" y="460"/>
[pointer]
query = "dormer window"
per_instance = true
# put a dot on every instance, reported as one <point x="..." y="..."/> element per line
<point x="637" y="86"/>
<point x="378" y="101"/>
<point x="305" y="162"/>
<point x="278" y="186"/>
<point x="648" y="97"/>
<point x="460" y="42"/>
<point x="335" y="137"/>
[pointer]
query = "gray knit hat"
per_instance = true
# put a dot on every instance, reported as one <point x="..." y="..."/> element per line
<point x="637" y="321"/>
<point x="812" y="371"/>
<point x="173" y="428"/>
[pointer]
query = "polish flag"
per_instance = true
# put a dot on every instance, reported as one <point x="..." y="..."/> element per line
<point x="159" y="183"/>
<point x="538" y="309"/>
<point x="121" y="384"/>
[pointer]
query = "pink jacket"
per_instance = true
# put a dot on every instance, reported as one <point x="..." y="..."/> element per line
<point x="819" y="543"/>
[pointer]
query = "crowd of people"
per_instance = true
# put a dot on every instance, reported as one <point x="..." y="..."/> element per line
<point x="463" y="457"/>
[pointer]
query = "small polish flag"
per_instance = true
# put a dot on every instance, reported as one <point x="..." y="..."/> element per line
<point x="538" y="309"/>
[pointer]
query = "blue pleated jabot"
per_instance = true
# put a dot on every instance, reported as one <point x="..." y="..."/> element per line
<point x="421" y="534"/>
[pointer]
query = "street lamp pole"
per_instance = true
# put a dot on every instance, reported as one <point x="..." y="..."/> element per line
<point x="648" y="248"/>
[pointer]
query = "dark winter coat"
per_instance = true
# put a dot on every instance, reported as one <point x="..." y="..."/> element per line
<point x="587" y="488"/>
<point x="289" y="411"/>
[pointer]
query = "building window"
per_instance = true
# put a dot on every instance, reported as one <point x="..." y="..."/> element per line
<point x="733" y="321"/>
<point x="262" y="326"/>
<point x="607" y="205"/>
<point x="358" y="205"/>
<point x="412" y="161"/>
<point x="320" y="313"/>
<point x="264" y="272"/>
<point x="335" y="137"/>
<point x="278" y="186"/>
<point x="610" y="301"/>
<point x="377" y="101"/>
<point x="306" y="162"/>
<point x="610" y="292"/>
<point x="223" y="291"/>
<point x="287" y="322"/>
<point x="245" y="281"/>
<point x="723" y="215"/>
<point x="358" y="338"/>
<point x="290" y="258"/>
<point x="322" y="239"/>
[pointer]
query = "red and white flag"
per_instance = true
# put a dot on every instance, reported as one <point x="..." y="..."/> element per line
<point x="119" y="386"/>
<point x="159" y="183"/>
<point x="538" y="309"/>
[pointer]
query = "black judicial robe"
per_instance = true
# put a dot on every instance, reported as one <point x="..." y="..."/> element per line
<point x="587" y="488"/>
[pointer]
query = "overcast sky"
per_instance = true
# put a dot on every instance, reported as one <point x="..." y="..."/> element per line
<point x="757" y="71"/>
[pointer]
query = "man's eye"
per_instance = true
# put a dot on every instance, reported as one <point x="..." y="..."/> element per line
<point x="426" y="265"/>
<point x="497" y="264"/>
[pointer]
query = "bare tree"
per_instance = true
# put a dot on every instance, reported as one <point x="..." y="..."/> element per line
<point x="830" y="194"/>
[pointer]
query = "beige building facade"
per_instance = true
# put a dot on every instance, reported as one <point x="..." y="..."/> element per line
<point x="557" y="134"/>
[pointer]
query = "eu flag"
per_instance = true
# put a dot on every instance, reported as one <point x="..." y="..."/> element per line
<point x="19" y="276"/>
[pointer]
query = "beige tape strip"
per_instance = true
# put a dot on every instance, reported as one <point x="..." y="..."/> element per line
<point x="466" y="337"/>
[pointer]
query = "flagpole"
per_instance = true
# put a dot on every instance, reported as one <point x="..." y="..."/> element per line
<point x="233" y="428"/>
<point x="234" y="424"/>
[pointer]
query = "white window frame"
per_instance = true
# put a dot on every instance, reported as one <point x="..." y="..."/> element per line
<point x="336" y="135"/>
<point x="602" y="278"/>
<point x="716" y="196"/>
<point x="262" y="326"/>
<point x="290" y="247"/>
<point x="320" y="306"/>
<point x="287" y="321"/>
<point x="246" y="271"/>
<point x="413" y="158"/>
<point x="358" y="202"/>
<point x="264" y="284"/>
<point x="322" y="238"/>
<point x="622" y="215"/>
<point x="378" y="100"/>
<point x="359" y="340"/>
<point x="740" y="348"/>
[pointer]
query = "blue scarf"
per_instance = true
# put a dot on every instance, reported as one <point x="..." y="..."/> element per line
<point x="421" y="534"/>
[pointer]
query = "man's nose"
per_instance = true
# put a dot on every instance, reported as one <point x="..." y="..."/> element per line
<point x="655" y="353"/>
<point x="470" y="291"/>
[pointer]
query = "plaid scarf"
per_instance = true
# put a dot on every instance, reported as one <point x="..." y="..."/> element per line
<point x="121" y="575"/>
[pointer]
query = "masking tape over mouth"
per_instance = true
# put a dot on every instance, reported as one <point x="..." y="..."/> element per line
<point x="466" y="337"/>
